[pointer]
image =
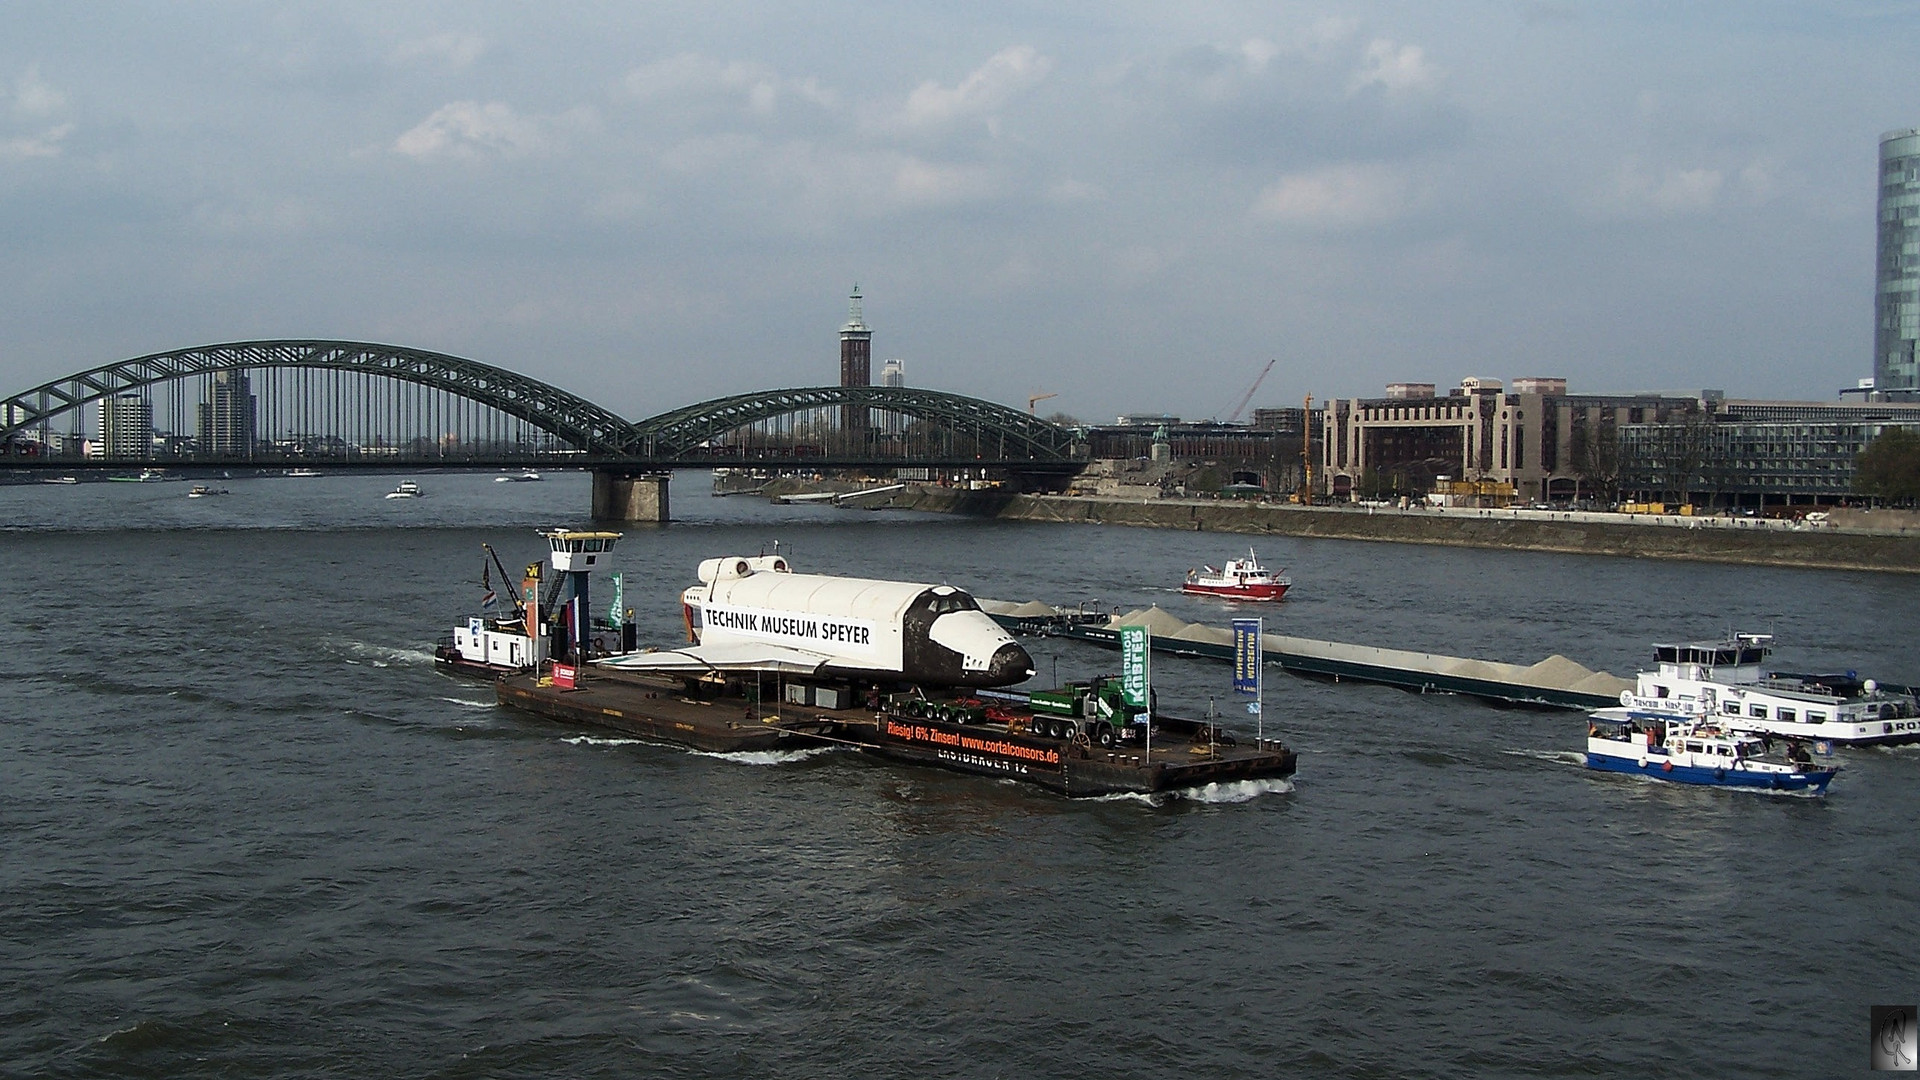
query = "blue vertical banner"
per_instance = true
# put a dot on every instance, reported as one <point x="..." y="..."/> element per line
<point x="1246" y="655"/>
<point x="1135" y="655"/>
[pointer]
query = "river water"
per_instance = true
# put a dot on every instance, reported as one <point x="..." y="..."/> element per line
<point x="246" y="830"/>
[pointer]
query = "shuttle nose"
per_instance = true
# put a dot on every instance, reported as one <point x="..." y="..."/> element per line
<point x="1010" y="664"/>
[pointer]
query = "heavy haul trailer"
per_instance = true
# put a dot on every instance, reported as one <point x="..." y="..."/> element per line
<point x="1094" y="709"/>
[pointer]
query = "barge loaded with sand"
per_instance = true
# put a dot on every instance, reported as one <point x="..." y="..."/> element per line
<point x="1555" y="682"/>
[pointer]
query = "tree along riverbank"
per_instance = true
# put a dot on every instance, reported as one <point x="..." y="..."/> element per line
<point x="1698" y="540"/>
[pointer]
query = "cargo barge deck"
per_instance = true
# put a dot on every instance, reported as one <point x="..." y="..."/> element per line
<point x="1003" y="739"/>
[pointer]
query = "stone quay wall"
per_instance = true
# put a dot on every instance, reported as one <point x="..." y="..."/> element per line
<point x="1888" y="549"/>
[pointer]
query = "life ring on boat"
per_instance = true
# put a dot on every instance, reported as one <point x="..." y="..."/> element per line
<point x="1668" y="766"/>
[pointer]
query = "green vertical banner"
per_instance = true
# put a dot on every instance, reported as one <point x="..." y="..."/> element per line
<point x="1135" y="656"/>
<point x="619" y="600"/>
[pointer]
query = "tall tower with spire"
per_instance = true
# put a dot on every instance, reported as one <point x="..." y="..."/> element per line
<point x="856" y="363"/>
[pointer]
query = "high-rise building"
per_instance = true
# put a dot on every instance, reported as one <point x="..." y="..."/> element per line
<point x="227" y="417"/>
<point x="893" y="373"/>
<point x="126" y="426"/>
<point x="1896" y="303"/>
<point x="856" y="362"/>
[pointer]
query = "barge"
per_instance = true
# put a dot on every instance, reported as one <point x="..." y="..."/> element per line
<point x="660" y="709"/>
<point x="1012" y="736"/>
<point x="1555" y="682"/>
<point x="793" y="661"/>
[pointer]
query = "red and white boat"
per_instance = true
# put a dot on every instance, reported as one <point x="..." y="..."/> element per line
<point x="1241" y="579"/>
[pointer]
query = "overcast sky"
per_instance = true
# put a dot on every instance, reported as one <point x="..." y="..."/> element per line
<point x="1134" y="206"/>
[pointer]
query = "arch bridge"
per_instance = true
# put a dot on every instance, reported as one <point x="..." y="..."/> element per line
<point x="344" y="405"/>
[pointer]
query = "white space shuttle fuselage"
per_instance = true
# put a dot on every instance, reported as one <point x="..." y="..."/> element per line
<point x="749" y="607"/>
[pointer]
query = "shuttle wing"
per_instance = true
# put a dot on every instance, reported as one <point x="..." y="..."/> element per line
<point x="741" y="656"/>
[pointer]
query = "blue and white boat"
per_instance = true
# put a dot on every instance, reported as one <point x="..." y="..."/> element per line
<point x="1699" y="751"/>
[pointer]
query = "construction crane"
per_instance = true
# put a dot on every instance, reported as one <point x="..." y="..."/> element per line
<point x="1035" y="399"/>
<point x="1241" y="405"/>
<point x="1306" y="452"/>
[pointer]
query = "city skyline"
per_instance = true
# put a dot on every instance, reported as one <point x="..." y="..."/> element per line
<point x="1131" y="207"/>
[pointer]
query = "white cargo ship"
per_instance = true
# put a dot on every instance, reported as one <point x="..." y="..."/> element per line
<point x="1726" y="682"/>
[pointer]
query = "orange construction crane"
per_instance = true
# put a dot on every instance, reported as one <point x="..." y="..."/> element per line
<point x="1035" y="399"/>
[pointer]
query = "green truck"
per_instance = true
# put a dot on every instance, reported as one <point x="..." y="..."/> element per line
<point x="1095" y="706"/>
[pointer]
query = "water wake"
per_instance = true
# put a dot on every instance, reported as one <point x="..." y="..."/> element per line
<point x="769" y="757"/>
<point x="1558" y="757"/>
<point x="601" y="740"/>
<point x="359" y="652"/>
<point x="1235" y="791"/>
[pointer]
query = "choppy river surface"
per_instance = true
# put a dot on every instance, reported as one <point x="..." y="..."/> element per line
<point x="246" y="830"/>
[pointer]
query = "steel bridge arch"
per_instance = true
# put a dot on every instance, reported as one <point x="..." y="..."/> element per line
<point x="587" y="426"/>
<point x="679" y="432"/>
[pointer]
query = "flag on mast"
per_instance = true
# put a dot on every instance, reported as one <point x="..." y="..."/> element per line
<point x="1249" y="667"/>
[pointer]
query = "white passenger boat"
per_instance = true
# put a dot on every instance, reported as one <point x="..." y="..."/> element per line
<point x="1689" y="751"/>
<point x="406" y="490"/>
<point x="526" y="477"/>
<point x="1726" y="682"/>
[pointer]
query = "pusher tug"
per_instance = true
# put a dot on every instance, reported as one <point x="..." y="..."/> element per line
<point x="902" y="669"/>
<point x="1685" y="751"/>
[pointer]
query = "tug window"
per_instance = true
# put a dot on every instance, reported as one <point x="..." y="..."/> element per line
<point x="1731" y="708"/>
<point x="1816" y="717"/>
<point x="1788" y="715"/>
<point x="1757" y="710"/>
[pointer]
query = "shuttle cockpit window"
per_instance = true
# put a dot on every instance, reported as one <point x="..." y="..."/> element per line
<point x="951" y="602"/>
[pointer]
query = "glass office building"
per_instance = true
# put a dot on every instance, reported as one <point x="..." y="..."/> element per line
<point x="1896" y="314"/>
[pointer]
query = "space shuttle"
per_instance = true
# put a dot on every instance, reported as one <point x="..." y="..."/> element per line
<point x="754" y="614"/>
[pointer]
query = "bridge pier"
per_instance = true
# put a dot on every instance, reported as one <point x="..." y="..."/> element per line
<point x="619" y="497"/>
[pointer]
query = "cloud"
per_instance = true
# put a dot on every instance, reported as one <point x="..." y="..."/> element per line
<point x="867" y="183"/>
<point x="754" y="87"/>
<point x="1639" y="191"/>
<point x="34" y="96"/>
<point x="988" y="88"/>
<point x="1334" y="198"/>
<point x="468" y="130"/>
<point x="44" y="145"/>
<point x="1395" y="67"/>
<point x="449" y="50"/>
